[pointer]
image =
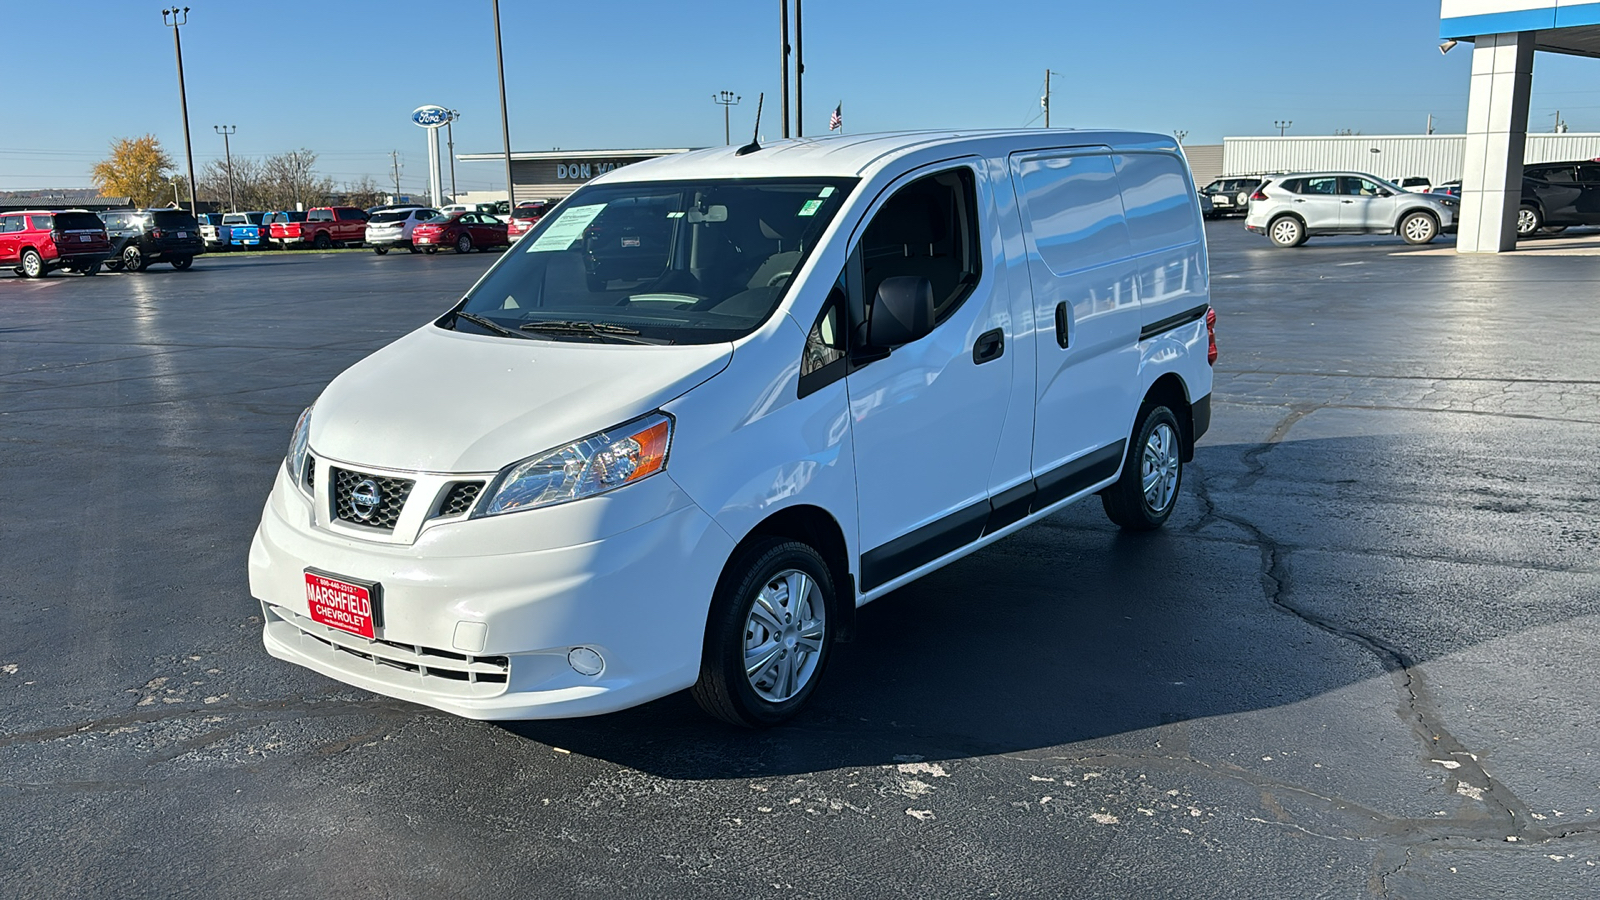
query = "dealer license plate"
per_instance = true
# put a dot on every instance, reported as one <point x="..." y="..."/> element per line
<point x="183" y="234"/>
<point x="344" y="603"/>
<point x="85" y="238"/>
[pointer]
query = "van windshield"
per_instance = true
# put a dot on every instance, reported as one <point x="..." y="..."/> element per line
<point x="667" y="262"/>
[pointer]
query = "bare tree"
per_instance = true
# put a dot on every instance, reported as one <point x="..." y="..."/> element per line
<point x="293" y="180"/>
<point x="363" y="192"/>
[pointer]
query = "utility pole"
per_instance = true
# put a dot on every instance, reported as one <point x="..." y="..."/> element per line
<point x="226" y="131"/>
<point x="1561" y="127"/>
<point x="505" y="123"/>
<point x="450" y="139"/>
<point x="726" y="99"/>
<point x="1430" y="123"/>
<point x="175" y="19"/>
<point x="783" y="60"/>
<point x="394" y="157"/>
<point x="799" y="74"/>
<point x="1282" y="126"/>
<point x="1046" y="98"/>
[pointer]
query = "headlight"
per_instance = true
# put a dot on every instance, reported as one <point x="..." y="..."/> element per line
<point x="583" y="468"/>
<point x="298" y="444"/>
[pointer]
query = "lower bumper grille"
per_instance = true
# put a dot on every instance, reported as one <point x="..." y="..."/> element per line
<point x="410" y="665"/>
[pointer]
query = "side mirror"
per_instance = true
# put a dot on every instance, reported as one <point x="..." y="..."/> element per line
<point x="1385" y="193"/>
<point x="902" y="311"/>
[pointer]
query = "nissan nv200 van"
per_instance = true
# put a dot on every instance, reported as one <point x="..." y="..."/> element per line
<point x="716" y="401"/>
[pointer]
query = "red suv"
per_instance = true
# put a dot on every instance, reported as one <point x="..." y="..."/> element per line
<point x="35" y="243"/>
<point x="525" y="216"/>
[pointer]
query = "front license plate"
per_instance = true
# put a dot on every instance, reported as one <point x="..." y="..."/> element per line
<point x="343" y="603"/>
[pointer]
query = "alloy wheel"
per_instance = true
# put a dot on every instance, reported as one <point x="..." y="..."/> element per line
<point x="1286" y="232"/>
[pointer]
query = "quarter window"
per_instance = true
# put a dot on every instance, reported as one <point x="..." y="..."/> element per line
<point x="1325" y="185"/>
<point x="928" y="228"/>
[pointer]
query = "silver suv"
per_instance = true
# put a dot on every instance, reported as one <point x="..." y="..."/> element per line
<point x="1289" y="209"/>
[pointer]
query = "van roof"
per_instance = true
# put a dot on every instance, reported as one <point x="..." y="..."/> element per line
<point x="855" y="155"/>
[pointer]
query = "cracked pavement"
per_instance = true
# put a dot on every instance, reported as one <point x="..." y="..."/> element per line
<point x="1356" y="663"/>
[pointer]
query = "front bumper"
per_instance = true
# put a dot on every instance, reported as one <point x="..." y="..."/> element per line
<point x="476" y="626"/>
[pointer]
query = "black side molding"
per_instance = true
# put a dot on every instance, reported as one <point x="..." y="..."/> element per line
<point x="884" y="564"/>
<point x="1200" y="414"/>
<point x="1171" y="322"/>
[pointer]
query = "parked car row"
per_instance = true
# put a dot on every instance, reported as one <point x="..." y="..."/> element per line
<point x="36" y="243"/>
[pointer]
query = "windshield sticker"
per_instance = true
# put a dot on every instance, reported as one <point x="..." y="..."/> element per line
<point x="811" y="207"/>
<point x="567" y="230"/>
<point x="826" y="193"/>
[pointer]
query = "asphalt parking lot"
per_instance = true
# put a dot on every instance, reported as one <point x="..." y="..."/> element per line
<point x="1358" y="662"/>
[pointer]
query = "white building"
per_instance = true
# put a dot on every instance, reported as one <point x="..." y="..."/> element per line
<point x="1437" y="157"/>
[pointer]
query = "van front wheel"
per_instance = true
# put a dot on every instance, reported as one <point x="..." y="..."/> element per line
<point x="1143" y="498"/>
<point x="768" y="637"/>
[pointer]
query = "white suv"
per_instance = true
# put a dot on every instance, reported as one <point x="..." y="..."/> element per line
<point x="716" y="401"/>
<point x="1290" y="209"/>
<point x="390" y="228"/>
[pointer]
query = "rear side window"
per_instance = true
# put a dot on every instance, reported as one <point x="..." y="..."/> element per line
<point x="319" y="215"/>
<point x="1557" y="175"/>
<point x="10" y="223"/>
<point x="43" y="223"/>
<point x="1074" y="209"/>
<point x="1156" y="197"/>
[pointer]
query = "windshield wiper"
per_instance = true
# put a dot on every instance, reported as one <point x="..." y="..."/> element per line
<point x="603" y="330"/>
<point x="490" y="324"/>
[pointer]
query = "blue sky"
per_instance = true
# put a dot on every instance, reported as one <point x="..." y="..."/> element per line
<point x="340" y="77"/>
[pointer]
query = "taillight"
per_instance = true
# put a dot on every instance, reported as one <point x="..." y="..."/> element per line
<point x="1211" y="336"/>
<point x="158" y="233"/>
<point x="1260" y="194"/>
<point x="56" y="237"/>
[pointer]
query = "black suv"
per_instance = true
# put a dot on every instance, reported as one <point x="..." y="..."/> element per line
<point x="1230" y="196"/>
<point x="140" y="237"/>
<point x="1558" y="195"/>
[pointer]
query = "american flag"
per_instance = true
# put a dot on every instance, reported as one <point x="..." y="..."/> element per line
<point x="836" y="121"/>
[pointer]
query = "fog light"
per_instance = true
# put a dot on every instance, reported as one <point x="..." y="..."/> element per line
<point x="585" y="661"/>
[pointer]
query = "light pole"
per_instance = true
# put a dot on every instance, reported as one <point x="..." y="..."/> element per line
<point x="176" y="18"/>
<point x="505" y="123"/>
<point x="783" y="60"/>
<point x="1180" y="134"/>
<point x="1282" y="126"/>
<point x="799" y="76"/>
<point x="450" y="143"/>
<point x="726" y="99"/>
<point x="226" y="131"/>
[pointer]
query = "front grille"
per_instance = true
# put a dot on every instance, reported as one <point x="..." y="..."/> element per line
<point x="458" y="500"/>
<point x="427" y="668"/>
<point x="392" y="493"/>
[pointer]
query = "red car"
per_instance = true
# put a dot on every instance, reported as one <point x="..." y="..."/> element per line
<point x="462" y="230"/>
<point x="35" y="243"/>
<point x="324" y="228"/>
<point x="524" y="217"/>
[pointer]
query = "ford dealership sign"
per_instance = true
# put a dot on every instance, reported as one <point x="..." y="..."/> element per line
<point x="430" y="116"/>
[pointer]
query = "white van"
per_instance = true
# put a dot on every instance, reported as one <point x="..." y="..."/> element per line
<point x="716" y="401"/>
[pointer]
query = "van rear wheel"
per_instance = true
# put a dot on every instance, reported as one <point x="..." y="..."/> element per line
<point x="1143" y="498"/>
<point x="769" y="635"/>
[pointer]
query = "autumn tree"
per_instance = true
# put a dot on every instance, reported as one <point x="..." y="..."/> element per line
<point x="138" y="168"/>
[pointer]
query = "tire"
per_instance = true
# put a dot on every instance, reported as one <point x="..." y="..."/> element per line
<point x="1529" y="221"/>
<point x="91" y="269"/>
<point x="380" y="250"/>
<point x="133" y="260"/>
<point x="1419" y="228"/>
<point x="1241" y="200"/>
<point x="1552" y="229"/>
<point x="413" y="249"/>
<point x="322" y="241"/>
<point x="114" y="264"/>
<point x="1286" y="231"/>
<point x="182" y="263"/>
<point x="464" y="244"/>
<point x="32" y="264"/>
<point x="792" y="653"/>
<point x="431" y="251"/>
<point x="1152" y="474"/>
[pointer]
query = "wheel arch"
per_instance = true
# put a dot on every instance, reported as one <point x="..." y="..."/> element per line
<point x="818" y="529"/>
<point x="1170" y="391"/>
<point x="1429" y="211"/>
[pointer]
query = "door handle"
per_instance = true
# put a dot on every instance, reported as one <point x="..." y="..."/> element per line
<point x="1346" y="201"/>
<point x="1062" y="336"/>
<point x="991" y="345"/>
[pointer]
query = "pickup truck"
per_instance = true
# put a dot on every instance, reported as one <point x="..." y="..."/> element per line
<point x="244" y="230"/>
<point x="324" y="227"/>
<point x="215" y="236"/>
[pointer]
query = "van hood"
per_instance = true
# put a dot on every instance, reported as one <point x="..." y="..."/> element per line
<point x="448" y="402"/>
